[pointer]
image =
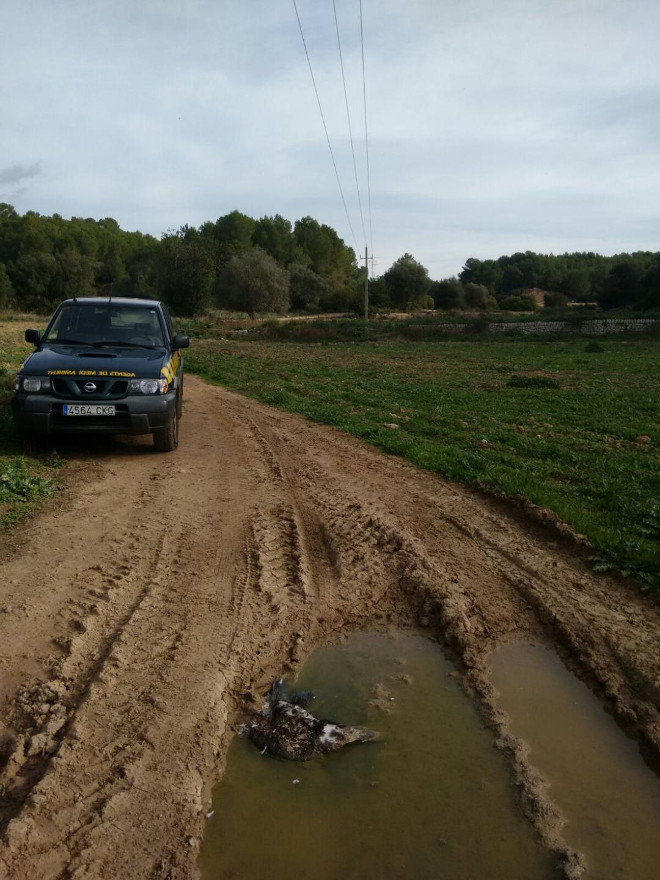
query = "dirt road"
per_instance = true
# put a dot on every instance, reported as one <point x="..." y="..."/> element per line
<point x="139" y="618"/>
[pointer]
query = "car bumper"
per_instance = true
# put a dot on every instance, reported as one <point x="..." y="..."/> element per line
<point x="137" y="414"/>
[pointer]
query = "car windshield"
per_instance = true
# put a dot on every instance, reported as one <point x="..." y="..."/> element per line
<point x="107" y="324"/>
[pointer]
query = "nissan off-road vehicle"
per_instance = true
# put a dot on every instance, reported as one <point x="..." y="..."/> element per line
<point x="103" y="366"/>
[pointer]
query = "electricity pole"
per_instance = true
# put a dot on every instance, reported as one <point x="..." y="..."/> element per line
<point x="366" y="283"/>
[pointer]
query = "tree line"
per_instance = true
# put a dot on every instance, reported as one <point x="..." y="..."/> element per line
<point x="272" y="265"/>
<point x="630" y="281"/>
<point x="621" y="281"/>
<point x="235" y="262"/>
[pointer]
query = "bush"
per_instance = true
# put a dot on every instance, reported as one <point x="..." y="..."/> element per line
<point x="6" y="384"/>
<point x="476" y="296"/>
<point x="447" y="294"/>
<point x="254" y="282"/>
<point x="306" y="288"/>
<point x="425" y="302"/>
<point x="520" y="302"/>
<point x="17" y="484"/>
<point x="555" y="300"/>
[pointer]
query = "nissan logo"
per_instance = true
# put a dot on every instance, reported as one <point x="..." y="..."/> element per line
<point x="89" y="387"/>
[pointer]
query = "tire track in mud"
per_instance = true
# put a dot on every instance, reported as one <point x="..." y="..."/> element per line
<point x="111" y="593"/>
<point x="86" y="670"/>
<point x="545" y="602"/>
<point x="270" y="568"/>
<point x="223" y="565"/>
<point x="608" y="630"/>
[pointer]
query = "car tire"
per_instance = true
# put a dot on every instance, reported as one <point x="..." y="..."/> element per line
<point x="31" y="444"/>
<point x="34" y="444"/>
<point x="179" y="401"/>
<point x="167" y="439"/>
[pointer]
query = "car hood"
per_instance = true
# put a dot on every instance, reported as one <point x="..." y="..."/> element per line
<point x="75" y="360"/>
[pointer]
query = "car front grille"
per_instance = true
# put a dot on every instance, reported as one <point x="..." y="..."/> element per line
<point x="74" y="388"/>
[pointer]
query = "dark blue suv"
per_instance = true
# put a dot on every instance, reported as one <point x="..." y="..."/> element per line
<point x="103" y="366"/>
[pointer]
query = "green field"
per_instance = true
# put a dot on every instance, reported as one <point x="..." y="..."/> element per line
<point x="571" y="429"/>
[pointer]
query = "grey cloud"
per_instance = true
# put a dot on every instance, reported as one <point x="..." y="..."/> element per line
<point x="635" y="111"/>
<point x="13" y="195"/>
<point x="16" y="173"/>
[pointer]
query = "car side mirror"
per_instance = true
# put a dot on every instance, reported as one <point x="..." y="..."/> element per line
<point x="33" y="336"/>
<point x="180" y="342"/>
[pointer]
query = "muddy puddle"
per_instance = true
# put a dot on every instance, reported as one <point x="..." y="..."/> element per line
<point x="596" y="774"/>
<point x="432" y="799"/>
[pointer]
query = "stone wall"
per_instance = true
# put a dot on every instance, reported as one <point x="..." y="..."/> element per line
<point x="602" y="327"/>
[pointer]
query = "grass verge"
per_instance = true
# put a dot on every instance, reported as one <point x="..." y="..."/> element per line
<point x="24" y="480"/>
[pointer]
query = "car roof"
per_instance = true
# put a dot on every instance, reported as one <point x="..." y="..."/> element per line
<point x="110" y="301"/>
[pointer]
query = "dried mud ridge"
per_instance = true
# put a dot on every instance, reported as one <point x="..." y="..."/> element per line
<point x="138" y="622"/>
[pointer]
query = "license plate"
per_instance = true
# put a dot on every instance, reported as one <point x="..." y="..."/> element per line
<point x="87" y="409"/>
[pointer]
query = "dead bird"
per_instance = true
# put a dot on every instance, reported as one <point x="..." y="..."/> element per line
<point x="285" y="729"/>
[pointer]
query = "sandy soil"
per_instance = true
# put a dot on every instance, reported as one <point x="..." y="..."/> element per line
<point x="141" y="617"/>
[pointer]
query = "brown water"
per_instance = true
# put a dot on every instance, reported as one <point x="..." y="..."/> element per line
<point x="432" y="799"/>
<point x="597" y="776"/>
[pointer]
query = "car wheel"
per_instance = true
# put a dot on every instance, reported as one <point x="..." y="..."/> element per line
<point x="32" y="444"/>
<point x="179" y="402"/>
<point x="167" y="439"/>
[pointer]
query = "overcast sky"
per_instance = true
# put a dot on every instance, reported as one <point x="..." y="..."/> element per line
<point x="493" y="126"/>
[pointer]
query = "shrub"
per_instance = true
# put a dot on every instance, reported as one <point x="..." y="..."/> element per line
<point x="555" y="300"/>
<point x="447" y="294"/>
<point x="6" y="383"/>
<point x="426" y="302"/>
<point x="520" y="302"/>
<point x="306" y="288"/>
<point x="17" y="484"/>
<point x="254" y="282"/>
<point x="476" y="296"/>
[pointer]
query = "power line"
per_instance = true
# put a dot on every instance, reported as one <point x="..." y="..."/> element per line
<point x="366" y="133"/>
<point x="325" y="127"/>
<point x="348" y="116"/>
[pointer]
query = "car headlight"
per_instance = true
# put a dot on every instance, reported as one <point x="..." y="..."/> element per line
<point x="36" y="383"/>
<point x="148" y="386"/>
